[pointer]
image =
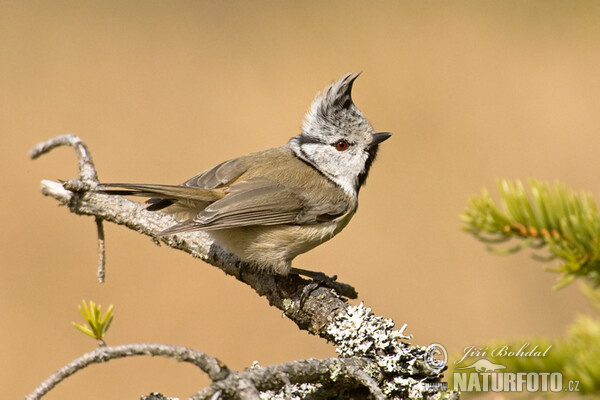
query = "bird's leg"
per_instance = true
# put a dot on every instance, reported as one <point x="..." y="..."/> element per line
<point x="320" y="279"/>
<point x="317" y="276"/>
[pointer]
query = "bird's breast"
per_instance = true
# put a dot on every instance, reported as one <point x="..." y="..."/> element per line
<point x="274" y="247"/>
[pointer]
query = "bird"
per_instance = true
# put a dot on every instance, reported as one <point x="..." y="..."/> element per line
<point x="270" y="206"/>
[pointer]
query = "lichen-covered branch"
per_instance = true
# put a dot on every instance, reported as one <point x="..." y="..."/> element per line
<point x="334" y="373"/>
<point x="391" y="367"/>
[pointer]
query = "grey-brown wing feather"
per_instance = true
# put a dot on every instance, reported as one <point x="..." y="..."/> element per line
<point x="260" y="202"/>
<point x="218" y="175"/>
<point x="211" y="178"/>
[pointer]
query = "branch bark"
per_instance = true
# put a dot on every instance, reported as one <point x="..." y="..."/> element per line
<point x="389" y="367"/>
<point x="214" y="368"/>
<point x="338" y="373"/>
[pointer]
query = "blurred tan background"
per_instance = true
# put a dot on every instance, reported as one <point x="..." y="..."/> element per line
<point x="162" y="90"/>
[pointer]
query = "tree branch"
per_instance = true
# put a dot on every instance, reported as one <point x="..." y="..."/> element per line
<point x="343" y="373"/>
<point x="391" y="367"/>
<point x="214" y="368"/>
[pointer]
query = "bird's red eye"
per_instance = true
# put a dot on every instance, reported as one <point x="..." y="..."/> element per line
<point x="341" y="145"/>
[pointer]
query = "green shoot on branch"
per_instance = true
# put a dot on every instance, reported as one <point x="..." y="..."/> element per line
<point x="565" y="223"/>
<point x="97" y="325"/>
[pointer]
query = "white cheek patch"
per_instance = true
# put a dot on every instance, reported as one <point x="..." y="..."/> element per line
<point x="342" y="167"/>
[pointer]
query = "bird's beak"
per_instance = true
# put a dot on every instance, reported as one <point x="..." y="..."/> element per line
<point x="379" y="137"/>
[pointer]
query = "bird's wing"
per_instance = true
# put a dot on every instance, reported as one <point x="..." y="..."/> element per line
<point x="260" y="202"/>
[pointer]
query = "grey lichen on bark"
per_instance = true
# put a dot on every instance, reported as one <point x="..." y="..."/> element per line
<point x="373" y="361"/>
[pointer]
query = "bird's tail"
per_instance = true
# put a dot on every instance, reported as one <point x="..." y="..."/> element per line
<point x="161" y="195"/>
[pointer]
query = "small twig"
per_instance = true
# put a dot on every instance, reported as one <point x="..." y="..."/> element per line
<point x="88" y="177"/>
<point x="101" y="251"/>
<point x="87" y="171"/>
<point x="214" y="368"/>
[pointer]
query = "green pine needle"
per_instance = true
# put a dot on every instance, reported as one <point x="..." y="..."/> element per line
<point x="97" y="325"/>
<point x="565" y="223"/>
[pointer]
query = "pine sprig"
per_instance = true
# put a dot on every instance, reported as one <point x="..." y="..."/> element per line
<point x="543" y="215"/>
